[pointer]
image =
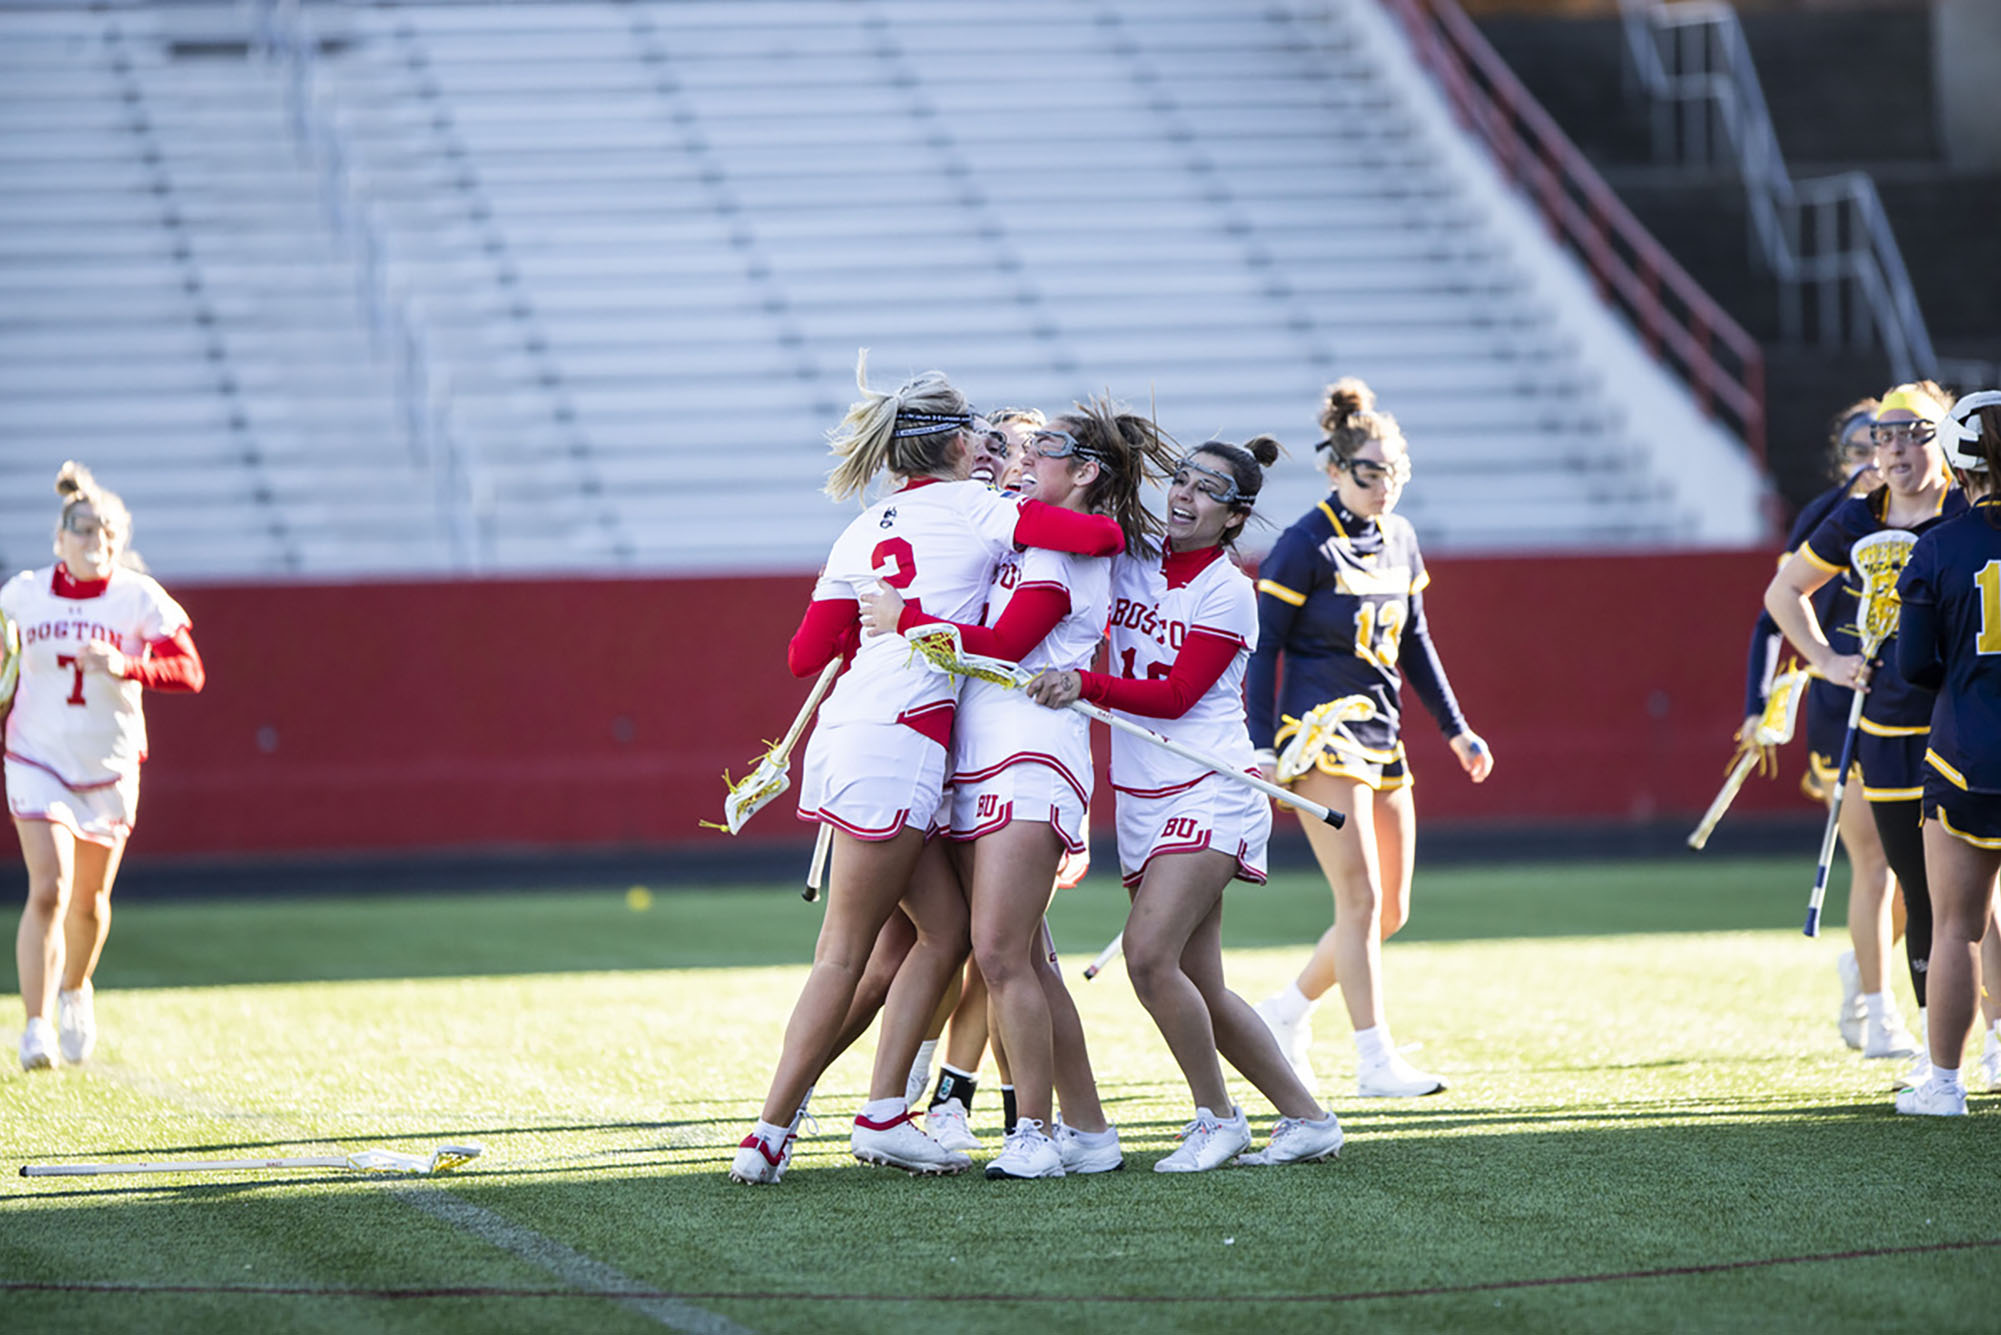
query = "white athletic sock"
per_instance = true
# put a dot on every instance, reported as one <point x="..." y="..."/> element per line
<point x="920" y="1070"/>
<point x="1375" y="1044"/>
<point x="1948" y="1078"/>
<point x="882" y="1110"/>
<point x="1877" y="1006"/>
<point x="773" y="1136"/>
<point x="1289" y="1005"/>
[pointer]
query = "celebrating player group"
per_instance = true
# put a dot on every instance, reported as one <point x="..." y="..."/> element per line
<point x="954" y="802"/>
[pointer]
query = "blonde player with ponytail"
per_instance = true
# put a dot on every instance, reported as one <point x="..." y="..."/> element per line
<point x="95" y="632"/>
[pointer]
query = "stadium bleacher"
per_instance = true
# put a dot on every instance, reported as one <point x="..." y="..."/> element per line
<point x="635" y="247"/>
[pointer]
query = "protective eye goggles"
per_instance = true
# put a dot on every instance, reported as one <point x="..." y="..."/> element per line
<point x="87" y="527"/>
<point x="1217" y="485"/>
<point x="1367" y="472"/>
<point x="1921" y="431"/>
<point x="1048" y="443"/>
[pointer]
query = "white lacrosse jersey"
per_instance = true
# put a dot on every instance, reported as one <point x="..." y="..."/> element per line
<point x="83" y="727"/>
<point x="936" y="544"/>
<point x="1149" y="623"/>
<point x="997" y="726"/>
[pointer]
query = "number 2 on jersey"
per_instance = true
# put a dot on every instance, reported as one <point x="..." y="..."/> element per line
<point x="893" y="555"/>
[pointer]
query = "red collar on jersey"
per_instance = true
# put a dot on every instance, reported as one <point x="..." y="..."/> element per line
<point x="66" y="586"/>
<point x="914" y="484"/>
<point x="1182" y="567"/>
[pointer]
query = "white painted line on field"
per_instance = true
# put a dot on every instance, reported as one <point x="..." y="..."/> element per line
<point x="568" y="1265"/>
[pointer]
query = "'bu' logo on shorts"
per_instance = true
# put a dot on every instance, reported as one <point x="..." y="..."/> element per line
<point x="1181" y="827"/>
<point x="989" y="806"/>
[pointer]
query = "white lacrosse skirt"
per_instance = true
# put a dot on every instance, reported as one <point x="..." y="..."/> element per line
<point x="101" y="814"/>
<point x="1025" y="790"/>
<point x="1210" y="813"/>
<point x="872" y="779"/>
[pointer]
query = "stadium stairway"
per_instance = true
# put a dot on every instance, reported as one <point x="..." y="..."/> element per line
<point x="176" y="313"/>
<point x="644" y="241"/>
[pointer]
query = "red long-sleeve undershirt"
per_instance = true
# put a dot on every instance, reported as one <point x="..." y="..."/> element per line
<point x="173" y="665"/>
<point x="1204" y="658"/>
<point x="1026" y="622"/>
<point x="831" y="628"/>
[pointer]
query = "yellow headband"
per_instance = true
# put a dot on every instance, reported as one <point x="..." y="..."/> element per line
<point x="1912" y="400"/>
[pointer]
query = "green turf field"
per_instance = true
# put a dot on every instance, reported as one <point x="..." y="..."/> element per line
<point x="1652" y="1126"/>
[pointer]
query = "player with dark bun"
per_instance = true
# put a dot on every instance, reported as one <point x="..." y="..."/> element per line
<point x="1341" y="603"/>
<point x="1950" y="642"/>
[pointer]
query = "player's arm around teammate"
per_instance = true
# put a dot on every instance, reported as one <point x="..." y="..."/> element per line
<point x="1950" y="641"/>
<point x="96" y="633"/>
<point x="1341" y="601"/>
<point x="1022" y="779"/>
<point x="876" y="763"/>
<point x="1181" y="629"/>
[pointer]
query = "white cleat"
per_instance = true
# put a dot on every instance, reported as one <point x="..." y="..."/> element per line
<point x="38" y="1045"/>
<point x="946" y="1124"/>
<point x="1888" y="1039"/>
<point x="758" y="1164"/>
<point x="1933" y="1098"/>
<point x="1395" y="1078"/>
<point x="1917" y="1073"/>
<point x="76" y="1023"/>
<point x="1852" y="1014"/>
<point x="898" y="1143"/>
<point x="1990" y="1061"/>
<point x="1295" y="1038"/>
<point x="1088" y="1151"/>
<point x="1026" y="1153"/>
<point x="1208" y="1142"/>
<point x="1296" y="1140"/>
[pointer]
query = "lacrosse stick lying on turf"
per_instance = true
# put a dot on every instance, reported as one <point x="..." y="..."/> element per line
<point x="938" y="644"/>
<point x="1774" y="728"/>
<point x="440" y="1160"/>
<point x="1881" y="557"/>
<point x="772" y="774"/>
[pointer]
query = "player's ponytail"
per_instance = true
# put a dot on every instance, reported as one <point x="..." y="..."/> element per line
<point x="909" y="432"/>
<point x="1349" y="419"/>
<point x="1130" y="451"/>
<point x="76" y="486"/>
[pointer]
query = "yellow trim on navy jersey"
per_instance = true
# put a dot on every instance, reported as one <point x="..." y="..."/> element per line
<point x="1806" y="550"/>
<point x="1974" y="839"/>
<point x="1280" y="592"/>
<point x="1390" y="581"/>
<point x="1888" y="730"/>
<point x="1333" y="519"/>
<point x="1937" y="762"/>
<point x="1422" y="582"/>
<point x="1892" y="794"/>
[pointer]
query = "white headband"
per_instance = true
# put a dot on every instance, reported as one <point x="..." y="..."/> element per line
<point x="1962" y="431"/>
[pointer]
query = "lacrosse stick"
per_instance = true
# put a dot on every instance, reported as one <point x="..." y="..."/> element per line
<point x="440" y="1160"/>
<point x="772" y="774"/>
<point x="816" y="870"/>
<point x="1096" y="966"/>
<point x="1880" y="558"/>
<point x="1325" y="728"/>
<point x="1774" y="728"/>
<point x="10" y="659"/>
<point x="938" y="644"/>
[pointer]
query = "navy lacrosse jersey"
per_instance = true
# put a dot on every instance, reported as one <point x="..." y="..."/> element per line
<point x="1341" y="597"/>
<point x="1951" y="640"/>
<point x="1893" y="707"/>
<point x="1834" y="606"/>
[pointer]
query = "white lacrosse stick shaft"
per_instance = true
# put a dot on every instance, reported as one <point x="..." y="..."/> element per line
<point x="816" y="870"/>
<point x="1097" y="966"/>
<point x="1724" y="797"/>
<point x="442" y="1159"/>
<point x="783" y="751"/>
<point x="771" y="775"/>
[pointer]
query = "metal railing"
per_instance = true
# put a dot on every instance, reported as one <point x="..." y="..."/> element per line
<point x="1826" y="240"/>
<point x="1679" y="323"/>
<point x="422" y="393"/>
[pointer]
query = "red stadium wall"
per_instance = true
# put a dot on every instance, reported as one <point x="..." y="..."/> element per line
<point x="414" y="716"/>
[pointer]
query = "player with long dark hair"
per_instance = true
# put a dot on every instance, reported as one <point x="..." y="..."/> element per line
<point x="1950" y="642"/>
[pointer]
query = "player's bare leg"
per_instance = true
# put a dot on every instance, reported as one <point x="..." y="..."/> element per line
<point x="966" y="1035"/>
<point x="892" y="944"/>
<point x="1961" y="879"/>
<point x="1180" y="891"/>
<point x="1007" y="939"/>
<point x="937" y="906"/>
<point x="865" y="881"/>
<point x="49" y="850"/>
<point x="88" y="921"/>
<point x="1241" y="1037"/>
<point x="1351" y="859"/>
<point x="1870" y="888"/>
<point x="1076" y="1083"/>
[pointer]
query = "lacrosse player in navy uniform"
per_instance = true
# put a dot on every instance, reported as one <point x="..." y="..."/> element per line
<point x="1917" y="494"/>
<point x="1950" y="642"/>
<point x="96" y="633"/>
<point x="1340" y="598"/>
<point x="1873" y="925"/>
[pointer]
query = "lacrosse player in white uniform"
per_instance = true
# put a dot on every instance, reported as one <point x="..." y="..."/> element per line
<point x="94" y="633"/>
<point x="1182" y="628"/>
<point x="1021" y="781"/>
<point x="875" y="767"/>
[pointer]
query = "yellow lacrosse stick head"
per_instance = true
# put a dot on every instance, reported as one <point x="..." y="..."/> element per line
<point x="766" y="782"/>
<point x="1880" y="558"/>
<point x="10" y="658"/>
<point x="1323" y="728"/>
<point x="1782" y="707"/>
<point x="939" y="645"/>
